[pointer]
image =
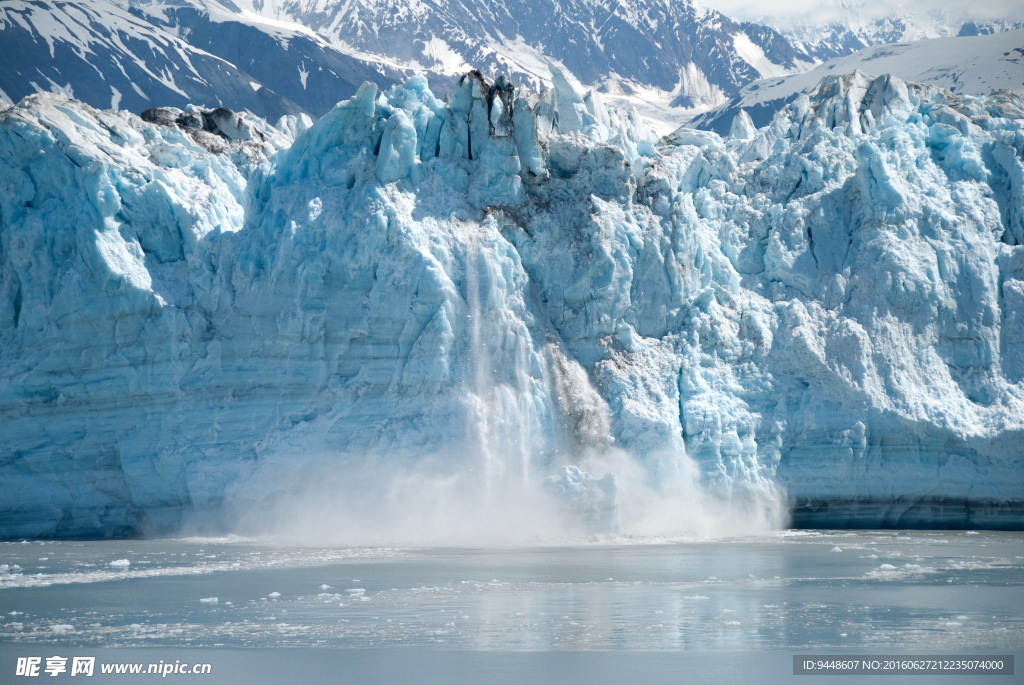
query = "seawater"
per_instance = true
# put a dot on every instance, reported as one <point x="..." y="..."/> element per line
<point x="610" y="610"/>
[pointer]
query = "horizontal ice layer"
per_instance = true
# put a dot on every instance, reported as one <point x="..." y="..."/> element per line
<point x="194" y="323"/>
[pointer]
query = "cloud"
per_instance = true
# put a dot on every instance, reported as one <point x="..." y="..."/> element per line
<point x="816" y="12"/>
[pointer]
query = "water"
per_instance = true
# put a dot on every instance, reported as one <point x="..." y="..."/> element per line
<point x="608" y="611"/>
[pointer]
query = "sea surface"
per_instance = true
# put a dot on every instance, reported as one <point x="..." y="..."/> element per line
<point x="610" y="610"/>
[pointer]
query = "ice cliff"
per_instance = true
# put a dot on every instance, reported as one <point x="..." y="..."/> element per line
<point x="201" y="313"/>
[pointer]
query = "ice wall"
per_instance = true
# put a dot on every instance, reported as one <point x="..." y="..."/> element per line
<point x="202" y="315"/>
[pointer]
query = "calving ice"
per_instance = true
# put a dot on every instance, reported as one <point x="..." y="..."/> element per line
<point x="509" y="316"/>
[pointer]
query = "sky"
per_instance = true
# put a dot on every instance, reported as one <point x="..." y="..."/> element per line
<point x="788" y="12"/>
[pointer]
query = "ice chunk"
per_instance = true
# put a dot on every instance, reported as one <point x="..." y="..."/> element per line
<point x="570" y="112"/>
<point x="590" y="500"/>
<point x="742" y="127"/>
<point x="397" y="148"/>
<point x="502" y="95"/>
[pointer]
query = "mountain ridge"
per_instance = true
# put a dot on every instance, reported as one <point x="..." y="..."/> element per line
<point x="679" y="50"/>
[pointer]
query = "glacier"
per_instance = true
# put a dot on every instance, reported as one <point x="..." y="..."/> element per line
<point x="528" y="308"/>
<point x="966" y="65"/>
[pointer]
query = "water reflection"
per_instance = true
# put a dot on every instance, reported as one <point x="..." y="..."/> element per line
<point x="852" y="590"/>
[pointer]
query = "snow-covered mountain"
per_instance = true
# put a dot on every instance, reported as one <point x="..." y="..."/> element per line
<point x="839" y="27"/>
<point x="648" y="42"/>
<point x="966" y="65"/>
<point x="116" y="54"/>
<point x="273" y="56"/>
<point x="479" y="305"/>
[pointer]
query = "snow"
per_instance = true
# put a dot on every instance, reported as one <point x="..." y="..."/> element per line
<point x="752" y="54"/>
<point x="444" y="58"/>
<point x="113" y="53"/>
<point x="967" y="65"/>
<point x="419" y="317"/>
<point x="694" y="84"/>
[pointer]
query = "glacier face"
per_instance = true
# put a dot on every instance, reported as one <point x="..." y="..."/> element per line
<point x="501" y="295"/>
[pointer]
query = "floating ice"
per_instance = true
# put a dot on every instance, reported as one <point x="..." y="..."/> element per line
<point x="209" y="600"/>
<point x="121" y="563"/>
